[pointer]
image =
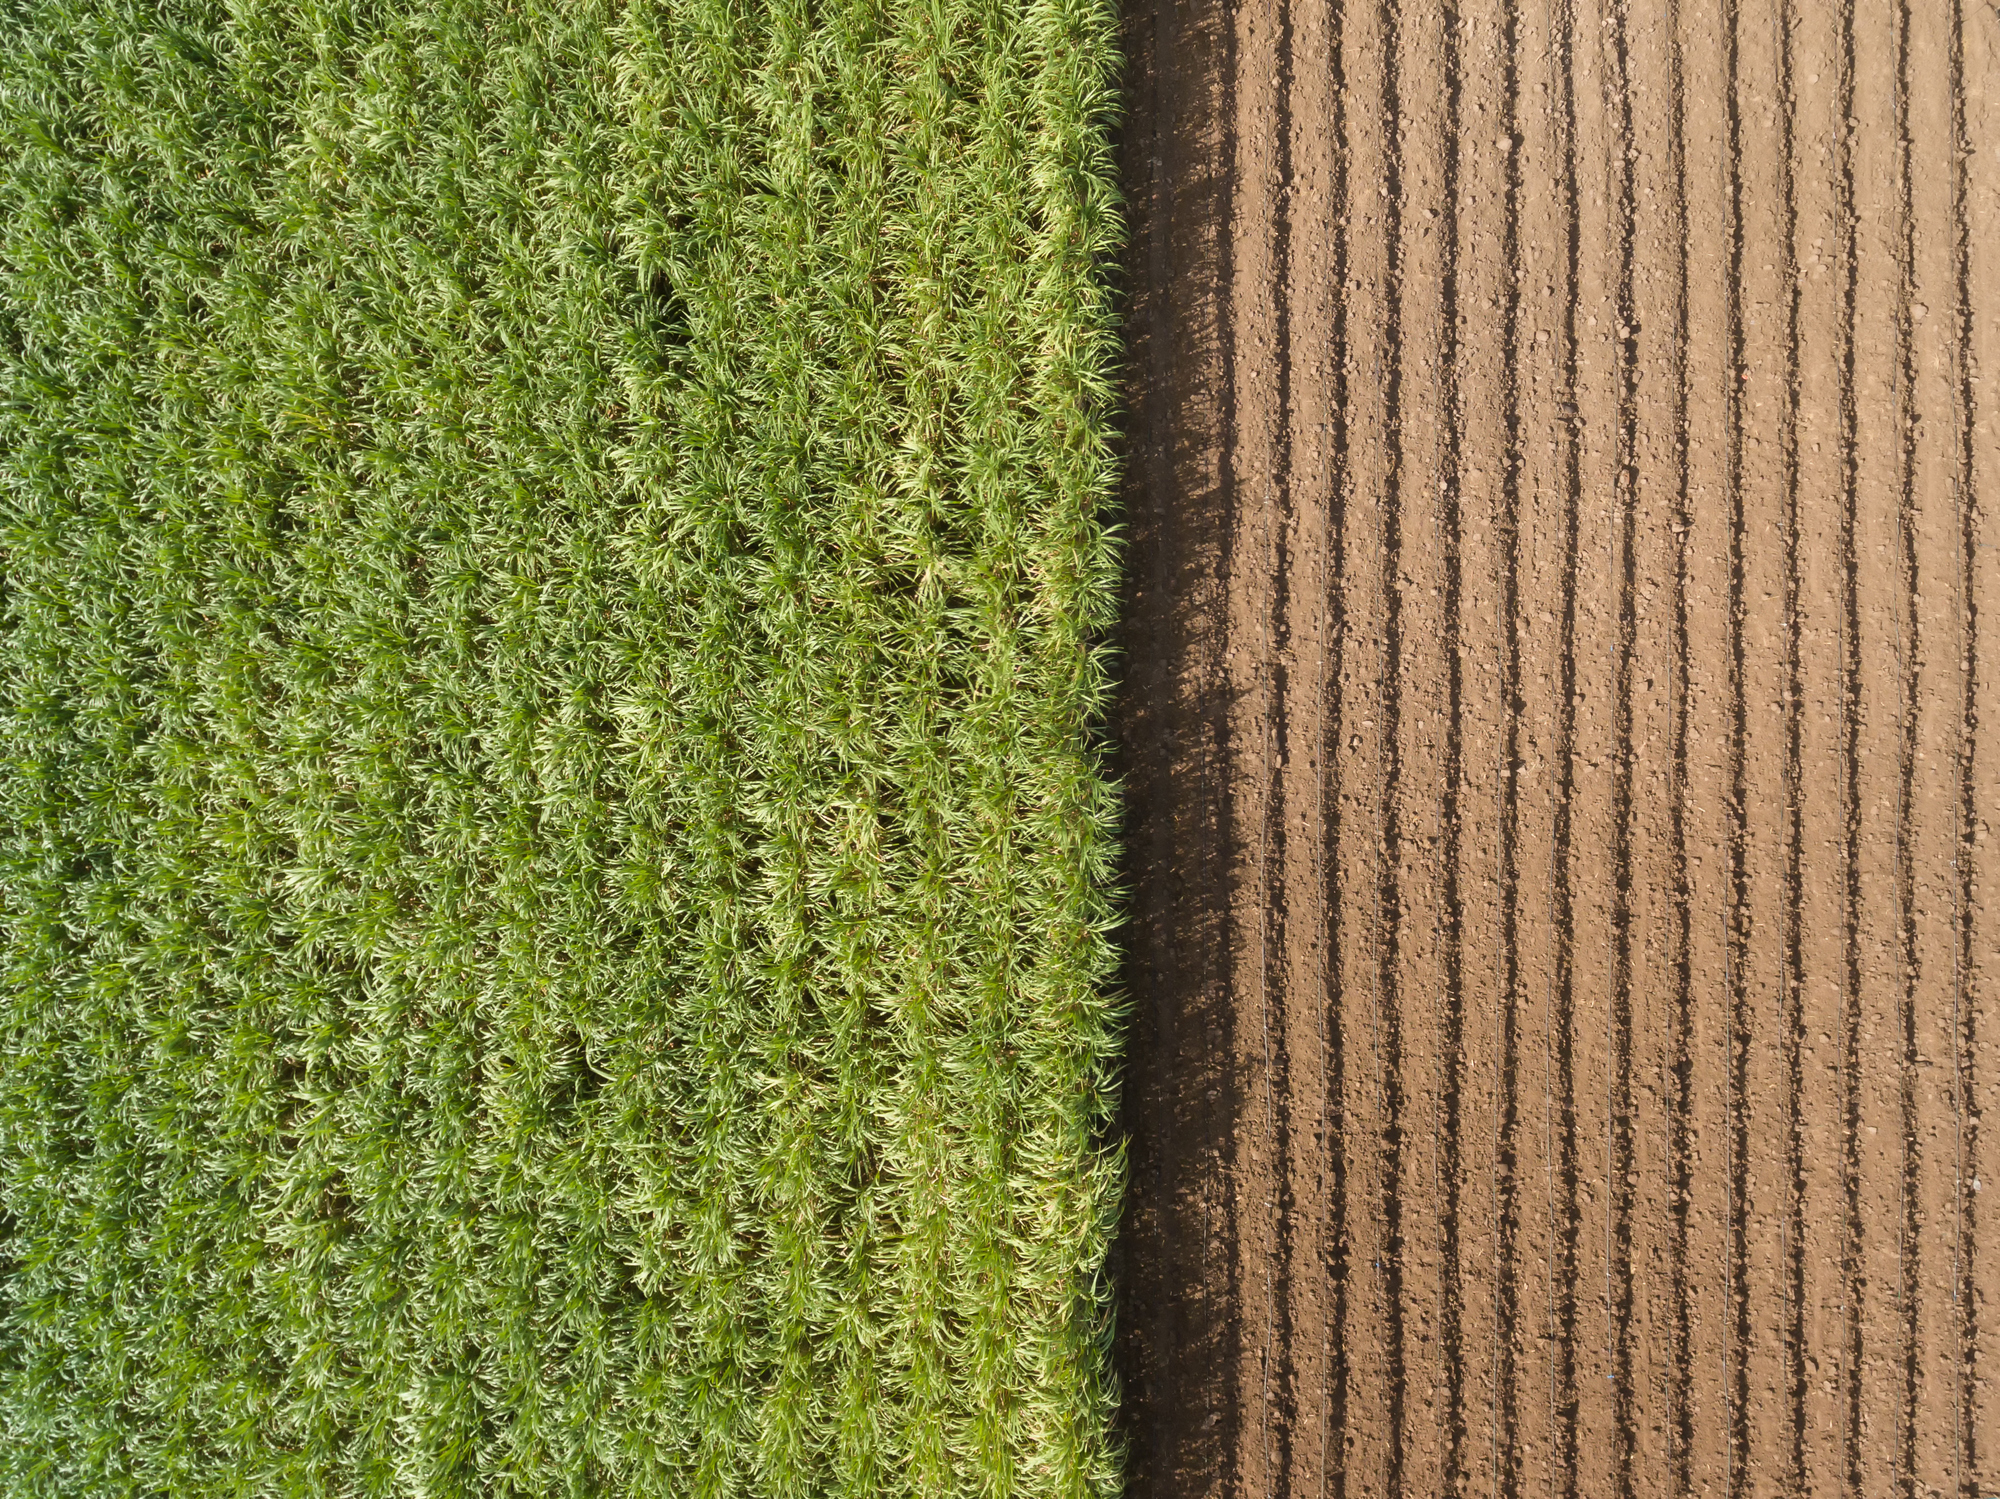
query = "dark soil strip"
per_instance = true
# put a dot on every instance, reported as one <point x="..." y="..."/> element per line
<point x="1620" y="1185"/>
<point x="1452" y="1041"/>
<point x="1507" y="543"/>
<point x="1791" y="978"/>
<point x="1908" y="1260"/>
<point x="1389" y="735"/>
<point x="1340" y="1252"/>
<point x="1680" y="1147"/>
<point x="1569" y="1221"/>
<point x="1850" y="584"/>
<point x="1176" y="1258"/>
<point x="1965" y="1445"/>
<point x="1280" y="1372"/>
<point x="1737" y="1360"/>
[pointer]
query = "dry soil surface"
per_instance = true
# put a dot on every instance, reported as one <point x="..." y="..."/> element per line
<point x="1561" y="668"/>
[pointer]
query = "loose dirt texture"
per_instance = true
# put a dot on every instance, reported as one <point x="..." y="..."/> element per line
<point x="1561" y="616"/>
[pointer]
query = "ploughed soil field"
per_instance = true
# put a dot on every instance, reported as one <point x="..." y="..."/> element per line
<point x="1561" y="665"/>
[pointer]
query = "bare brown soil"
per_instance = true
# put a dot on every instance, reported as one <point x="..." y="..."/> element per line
<point x="1560" y="662"/>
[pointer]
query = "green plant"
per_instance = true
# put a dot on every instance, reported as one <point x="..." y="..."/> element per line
<point x="553" y="871"/>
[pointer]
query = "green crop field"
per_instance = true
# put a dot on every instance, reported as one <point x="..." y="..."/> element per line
<point x="554" y="867"/>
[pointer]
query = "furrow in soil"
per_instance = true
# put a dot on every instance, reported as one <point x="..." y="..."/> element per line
<point x="1979" y="213"/>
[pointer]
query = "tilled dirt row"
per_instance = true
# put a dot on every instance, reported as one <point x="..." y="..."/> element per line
<point x="1560" y="662"/>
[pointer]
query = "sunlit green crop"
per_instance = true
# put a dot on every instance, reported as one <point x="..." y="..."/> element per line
<point x="553" y="867"/>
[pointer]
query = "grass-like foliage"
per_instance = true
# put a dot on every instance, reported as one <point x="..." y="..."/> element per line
<point x="553" y="870"/>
